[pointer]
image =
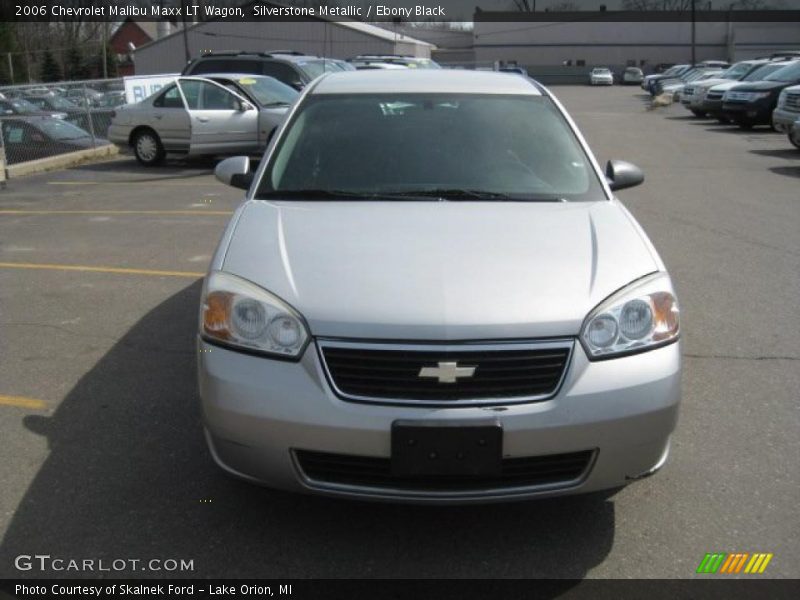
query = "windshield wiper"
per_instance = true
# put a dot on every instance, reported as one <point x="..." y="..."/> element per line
<point x="275" y="104"/>
<point x="314" y="194"/>
<point x="444" y="195"/>
<point x="455" y="194"/>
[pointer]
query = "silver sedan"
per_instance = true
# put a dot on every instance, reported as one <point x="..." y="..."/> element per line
<point x="432" y="294"/>
<point x="209" y="115"/>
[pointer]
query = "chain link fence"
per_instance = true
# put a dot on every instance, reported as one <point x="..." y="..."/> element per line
<point x="43" y="120"/>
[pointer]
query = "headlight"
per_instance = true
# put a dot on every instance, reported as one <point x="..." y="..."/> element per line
<point x="759" y="96"/>
<point x="642" y="316"/>
<point x="782" y="99"/>
<point x="237" y="313"/>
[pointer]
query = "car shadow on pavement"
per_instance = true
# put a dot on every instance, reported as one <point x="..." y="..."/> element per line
<point x="128" y="476"/>
<point x="786" y="171"/>
<point x="196" y="167"/>
<point x="789" y="152"/>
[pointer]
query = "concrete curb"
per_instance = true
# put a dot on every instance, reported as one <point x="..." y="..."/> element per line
<point x="60" y="161"/>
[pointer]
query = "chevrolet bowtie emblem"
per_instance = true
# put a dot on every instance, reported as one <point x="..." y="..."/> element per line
<point x="447" y="372"/>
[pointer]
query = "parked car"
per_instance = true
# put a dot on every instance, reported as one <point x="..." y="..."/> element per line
<point x="200" y="116"/>
<point x="601" y="76"/>
<point x="412" y="62"/>
<point x="78" y="115"/>
<point x="55" y="103"/>
<point x="794" y="134"/>
<point x="751" y="104"/>
<point x="31" y="138"/>
<point x="517" y="70"/>
<point x="84" y="95"/>
<point x="112" y="99"/>
<point x="295" y="69"/>
<point x="676" y="87"/>
<point x="787" y="110"/>
<point x="21" y="106"/>
<point x="378" y="66"/>
<point x="431" y="294"/>
<point x="632" y="75"/>
<point x="712" y="102"/>
<point x="672" y="84"/>
<point x="673" y="72"/>
<point x="693" y="94"/>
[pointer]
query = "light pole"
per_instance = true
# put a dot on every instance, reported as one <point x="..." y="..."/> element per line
<point x="694" y="35"/>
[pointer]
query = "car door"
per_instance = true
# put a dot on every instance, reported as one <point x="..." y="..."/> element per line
<point x="221" y="122"/>
<point x="169" y="118"/>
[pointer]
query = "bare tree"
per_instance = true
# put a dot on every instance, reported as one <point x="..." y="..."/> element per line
<point x="676" y="5"/>
<point x="563" y="7"/>
<point x="524" y="5"/>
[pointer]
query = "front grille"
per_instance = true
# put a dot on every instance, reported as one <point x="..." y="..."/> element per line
<point x="374" y="472"/>
<point x="688" y="91"/>
<point x="738" y="96"/>
<point x="714" y="95"/>
<point x="792" y="102"/>
<point x="393" y="373"/>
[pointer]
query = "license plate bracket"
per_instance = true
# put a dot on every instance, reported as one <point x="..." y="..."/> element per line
<point x="455" y="449"/>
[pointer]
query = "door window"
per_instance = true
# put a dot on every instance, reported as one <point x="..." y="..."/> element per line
<point x="169" y="98"/>
<point x="202" y="95"/>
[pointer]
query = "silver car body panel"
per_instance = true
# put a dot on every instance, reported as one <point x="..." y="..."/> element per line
<point x="397" y="273"/>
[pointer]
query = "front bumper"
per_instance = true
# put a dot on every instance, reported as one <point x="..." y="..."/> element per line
<point x="783" y="120"/>
<point x="258" y="411"/>
<point x="755" y="113"/>
<point x="119" y="134"/>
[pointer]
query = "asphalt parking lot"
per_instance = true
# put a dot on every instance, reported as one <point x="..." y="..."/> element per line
<point x="103" y="455"/>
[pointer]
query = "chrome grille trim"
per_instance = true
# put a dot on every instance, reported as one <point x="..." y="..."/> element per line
<point x="567" y="344"/>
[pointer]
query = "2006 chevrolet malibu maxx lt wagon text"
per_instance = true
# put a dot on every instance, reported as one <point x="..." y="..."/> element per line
<point x="431" y="294"/>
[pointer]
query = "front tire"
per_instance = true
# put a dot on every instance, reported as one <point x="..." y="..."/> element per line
<point x="795" y="140"/>
<point x="698" y="113"/>
<point x="147" y="148"/>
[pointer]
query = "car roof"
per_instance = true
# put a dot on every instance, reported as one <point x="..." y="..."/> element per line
<point x="413" y="81"/>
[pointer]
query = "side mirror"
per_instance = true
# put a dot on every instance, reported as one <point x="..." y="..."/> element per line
<point x="244" y="106"/>
<point x="621" y="175"/>
<point x="297" y="84"/>
<point x="235" y="172"/>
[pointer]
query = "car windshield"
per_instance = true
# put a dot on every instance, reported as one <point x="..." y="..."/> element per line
<point x="24" y="106"/>
<point x="736" y="71"/>
<point x="315" y="68"/>
<point x="267" y="91"/>
<point x="62" y="130"/>
<point x="763" y="71"/>
<point x="787" y="73"/>
<point x="601" y="71"/>
<point x="62" y="103"/>
<point x="429" y="146"/>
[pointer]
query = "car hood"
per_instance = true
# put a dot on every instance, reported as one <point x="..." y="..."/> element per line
<point x="440" y="270"/>
<point x="760" y="86"/>
<point x="708" y="83"/>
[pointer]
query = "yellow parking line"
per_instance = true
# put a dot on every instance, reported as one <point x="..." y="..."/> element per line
<point x="23" y="402"/>
<point x="86" y="268"/>
<point x="117" y="212"/>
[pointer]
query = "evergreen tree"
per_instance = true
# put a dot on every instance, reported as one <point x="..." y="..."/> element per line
<point x="50" y="71"/>
<point x="76" y="65"/>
